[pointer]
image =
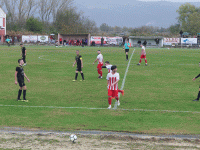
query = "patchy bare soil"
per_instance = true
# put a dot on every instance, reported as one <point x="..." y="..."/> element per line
<point x="60" y="141"/>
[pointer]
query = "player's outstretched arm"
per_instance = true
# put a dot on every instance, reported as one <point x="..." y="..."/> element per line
<point x="196" y="77"/>
<point x="16" y="77"/>
<point x="26" y="77"/>
<point x="95" y="61"/>
<point x="74" y="63"/>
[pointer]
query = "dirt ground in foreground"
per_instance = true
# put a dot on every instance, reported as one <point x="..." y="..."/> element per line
<point x="57" y="141"/>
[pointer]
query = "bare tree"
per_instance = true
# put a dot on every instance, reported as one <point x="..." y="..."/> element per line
<point x="49" y="8"/>
<point x="19" y="10"/>
<point x="31" y="7"/>
<point x="10" y="7"/>
<point x="1" y="3"/>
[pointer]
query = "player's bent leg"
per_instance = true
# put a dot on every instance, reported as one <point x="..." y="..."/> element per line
<point x="145" y="61"/>
<point x="126" y="55"/>
<point x="101" y="74"/>
<point x="117" y="98"/>
<point x="121" y="91"/>
<point x="198" y="96"/>
<point x="82" y="76"/>
<point x="19" y="94"/>
<point x="109" y="102"/>
<point x="139" y="62"/>
<point x="76" y="75"/>
<point x="24" y="94"/>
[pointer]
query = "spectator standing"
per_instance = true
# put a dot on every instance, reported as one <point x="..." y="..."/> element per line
<point x="181" y="33"/>
<point x="102" y="40"/>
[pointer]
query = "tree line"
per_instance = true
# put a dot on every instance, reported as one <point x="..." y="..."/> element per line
<point x="46" y="16"/>
<point x="60" y="16"/>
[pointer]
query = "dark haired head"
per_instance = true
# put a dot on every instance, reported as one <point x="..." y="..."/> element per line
<point x="113" y="67"/>
<point x="21" y="44"/>
<point x="107" y="62"/>
<point x="19" y="60"/>
<point x="99" y="50"/>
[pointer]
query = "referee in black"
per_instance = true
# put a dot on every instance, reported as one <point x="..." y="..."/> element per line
<point x="19" y="78"/>
<point x="23" y="53"/>
<point x="79" y="61"/>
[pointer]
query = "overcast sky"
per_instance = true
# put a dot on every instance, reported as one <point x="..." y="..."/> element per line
<point x="132" y="13"/>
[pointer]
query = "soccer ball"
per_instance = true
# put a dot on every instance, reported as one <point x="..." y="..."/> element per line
<point x="73" y="137"/>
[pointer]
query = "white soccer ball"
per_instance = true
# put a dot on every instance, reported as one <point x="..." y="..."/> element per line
<point x="73" y="137"/>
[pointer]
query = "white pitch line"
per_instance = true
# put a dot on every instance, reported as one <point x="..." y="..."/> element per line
<point x="123" y="82"/>
<point x="144" y="110"/>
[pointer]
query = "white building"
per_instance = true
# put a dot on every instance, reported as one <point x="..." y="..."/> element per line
<point x="2" y="25"/>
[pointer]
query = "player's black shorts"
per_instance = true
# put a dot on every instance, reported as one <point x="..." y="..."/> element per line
<point x="21" y="83"/>
<point x="126" y="50"/>
<point x="79" y="68"/>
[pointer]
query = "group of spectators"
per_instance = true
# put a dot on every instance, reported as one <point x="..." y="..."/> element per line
<point x="144" y="43"/>
<point x="74" y="42"/>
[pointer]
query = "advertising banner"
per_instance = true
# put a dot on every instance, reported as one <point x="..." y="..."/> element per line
<point x="107" y="40"/>
<point x="97" y="40"/>
<point x="34" y="38"/>
<point x="170" y="41"/>
<point x="29" y="38"/>
<point x="188" y="40"/>
<point x="43" y="38"/>
<point x="114" y="40"/>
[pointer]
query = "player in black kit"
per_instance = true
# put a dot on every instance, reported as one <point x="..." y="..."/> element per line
<point x="198" y="96"/>
<point x="79" y="61"/>
<point x="19" y="77"/>
<point x="23" y="54"/>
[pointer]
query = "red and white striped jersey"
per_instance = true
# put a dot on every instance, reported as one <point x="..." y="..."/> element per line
<point x="112" y="78"/>
<point x="100" y="58"/>
<point x="143" y="51"/>
<point x="109" y="68"/>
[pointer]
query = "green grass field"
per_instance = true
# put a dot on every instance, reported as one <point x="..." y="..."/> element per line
<point x="165" y="84"/>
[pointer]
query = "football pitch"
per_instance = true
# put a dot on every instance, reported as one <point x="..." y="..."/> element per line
<point x="158" y="97"/>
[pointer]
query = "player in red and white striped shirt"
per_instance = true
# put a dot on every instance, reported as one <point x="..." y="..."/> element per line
<point x="112" y="81"/>
<point x="143" y="55"/>
<point x="108" y="66"/>
<point x="100" y="64"/>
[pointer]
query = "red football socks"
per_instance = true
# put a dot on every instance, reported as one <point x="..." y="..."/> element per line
<point x="101" y="73"/>
<point x="109" y="100"/>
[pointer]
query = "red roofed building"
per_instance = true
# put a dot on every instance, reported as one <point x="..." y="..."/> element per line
<point x="2" y="25"/>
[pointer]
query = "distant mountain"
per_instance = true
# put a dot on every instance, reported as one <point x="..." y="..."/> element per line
<point x="131" y="14"/>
